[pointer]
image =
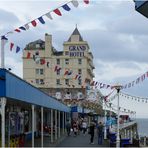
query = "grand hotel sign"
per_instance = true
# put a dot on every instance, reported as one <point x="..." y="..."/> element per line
<point x="77" y="50"/>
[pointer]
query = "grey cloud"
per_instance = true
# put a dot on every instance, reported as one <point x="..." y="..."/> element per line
<point x="128" y="65"/>
<point x="109" y="46"/>
<point x="7" y="20"/>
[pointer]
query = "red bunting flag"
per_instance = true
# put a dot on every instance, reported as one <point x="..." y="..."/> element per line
<point x="28" y="55"/>
<point x="43" y="61"/>
<point x="76" y="77"/>
<point x="86" y="1"/>
<point x="34" y="23"/>
<point x="11" y="46"/>
<point x="57" y="11"/>
<point x="56" y="67"/>
<point x="66" y="72"/>
<point x="92" y="83"/>
<point x="17" y="30"/>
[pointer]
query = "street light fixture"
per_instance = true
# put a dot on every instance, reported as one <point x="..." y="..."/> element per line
<point x="118" y="88"/>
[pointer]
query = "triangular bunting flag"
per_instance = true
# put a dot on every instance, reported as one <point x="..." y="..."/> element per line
<point x="57" y="11"/>
<point x="147" y="73"/>
<point x="11" y="46"/>
<point x="66" y="72"/>
<point x="55" y="69"/>
<point x="22" y="28"/>
<point x="17" y="30"/>
<point x="49" y="15"/>
<point x="3" y="38"/>
<point x="34" y="23"/>
<point x="76" y="77"/>
<point x="41" y="20"/>
<point x="75" y="3"/>
<point x="28" y="55"/>
<point x="48" y="64"/>
<point x="86" y="1"/>
<point x="26" y="26"/>
<point x="17" y="49"/>
<point x="66" y="7"/>
<point x="43" y="61"/>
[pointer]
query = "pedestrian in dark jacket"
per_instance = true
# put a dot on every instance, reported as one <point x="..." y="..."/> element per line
<point x="68" y="127"/>
<point x="92" y="132"/>
<point x="100" y="133"/>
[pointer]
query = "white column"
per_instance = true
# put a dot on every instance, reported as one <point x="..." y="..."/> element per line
<point x="63" y="122"/>
<point x="125" y="133"/>
<point x="51" y="125"/>
<point x="3" y="104"/>
<point x="32" y="125"/>
<point x="55" y="124"/>
<point x="2" y="53"/>
<point x="131" y="135"/>
<point x="59" y="125"/>
<point x="105" y="136"/>
<point x="118" y="134"/>
<point x="42" y="127"/>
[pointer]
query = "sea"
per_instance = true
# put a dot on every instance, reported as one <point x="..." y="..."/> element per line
<point x="142" y="126"/>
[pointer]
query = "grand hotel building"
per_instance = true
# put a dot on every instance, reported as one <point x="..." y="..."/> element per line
<point x="63" y="74"/>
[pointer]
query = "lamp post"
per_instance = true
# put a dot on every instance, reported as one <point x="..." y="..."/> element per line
<point x="105" y="136"/>
<point x="110" y="104"/>
<point x="118" y="88"/>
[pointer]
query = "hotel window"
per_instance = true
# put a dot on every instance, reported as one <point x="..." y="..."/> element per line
<point x="37" y="81"/>
<point x="66" y="53"/>
<point x="66" y="81"/>
<point x="58" y="72"/>
<point x="39" y="71"/>
<point x="79" y="71"/>
<point x="41" y="81"/>
<point x="37" y="45"/>
<point x="58" y="61"/>
<point x="79" y="61"/>
<point x="79" y="82"/>
<point x="58" y="81"/>
<point x="66" y="61"/>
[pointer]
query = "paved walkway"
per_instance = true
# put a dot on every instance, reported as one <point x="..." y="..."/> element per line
<point x="80" y="141"/>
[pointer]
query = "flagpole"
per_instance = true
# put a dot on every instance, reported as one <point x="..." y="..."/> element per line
<point x="2" y="52"/>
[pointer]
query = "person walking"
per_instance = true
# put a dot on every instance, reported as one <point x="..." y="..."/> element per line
<point x="68" y="127"/>
<point x="92" y="132"/>
<point x="100" y="133"/>
<point x="75" y="128"/>
<point x="84" y="127"/>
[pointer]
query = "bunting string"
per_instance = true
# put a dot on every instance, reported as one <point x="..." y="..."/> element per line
<point x="136" y="81"/>
<point x="115" y="108"/>
<point x="48" y="15"/>
<point x="134" y="98"/>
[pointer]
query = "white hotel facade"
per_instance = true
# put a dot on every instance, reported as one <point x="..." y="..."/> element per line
<point x="61" y="74"/>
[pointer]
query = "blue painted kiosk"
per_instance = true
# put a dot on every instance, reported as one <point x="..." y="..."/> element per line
<point x="27" y="111"/>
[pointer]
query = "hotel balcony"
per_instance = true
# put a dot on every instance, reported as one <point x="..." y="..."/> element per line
<point x="142" y="7"/>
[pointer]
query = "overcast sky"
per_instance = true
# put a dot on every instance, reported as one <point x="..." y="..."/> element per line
<point x="116" y="33"/>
